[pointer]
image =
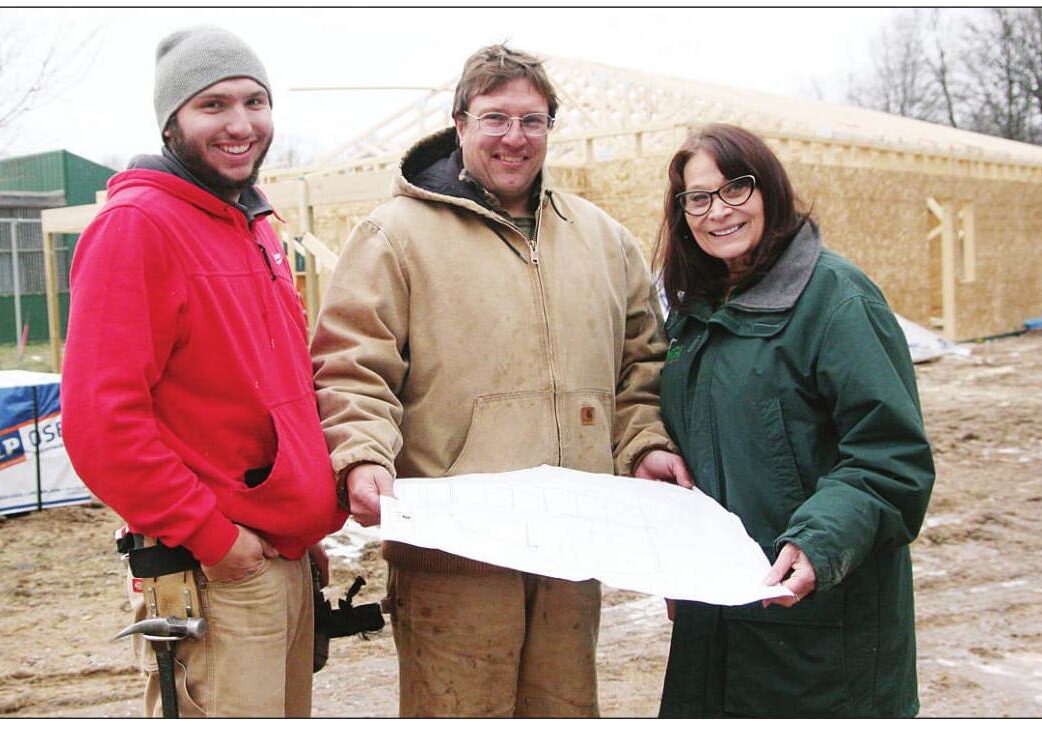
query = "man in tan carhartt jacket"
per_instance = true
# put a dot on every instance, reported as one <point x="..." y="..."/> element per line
<point x="481" y="322"/>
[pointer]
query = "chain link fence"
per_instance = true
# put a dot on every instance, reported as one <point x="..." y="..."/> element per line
<point x="21" y="249"/>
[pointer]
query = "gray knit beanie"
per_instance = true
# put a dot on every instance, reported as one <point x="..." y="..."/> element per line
<point x="190" y="60"/>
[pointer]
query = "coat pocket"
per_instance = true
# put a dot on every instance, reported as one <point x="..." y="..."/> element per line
<point x="508" y="432"/>
<point x="787" y="662"/>
<point x="786" y="485"/>
<point x="298" y="498"/>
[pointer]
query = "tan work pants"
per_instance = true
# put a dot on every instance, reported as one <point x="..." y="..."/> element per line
<point x="255" y="659"/>
<point x="500" y="645"/>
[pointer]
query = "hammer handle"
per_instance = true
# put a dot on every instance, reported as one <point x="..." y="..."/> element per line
<point x="167" y="680"/>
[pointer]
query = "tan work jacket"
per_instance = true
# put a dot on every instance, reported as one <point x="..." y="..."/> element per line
<point x="448" y="343"/>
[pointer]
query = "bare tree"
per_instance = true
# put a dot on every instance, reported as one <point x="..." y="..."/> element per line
<point x="36" y="67"/>
<point x="1030" y="61"/>
<point x="981" y="70"/>
<point x="903" y="78"/>
<point x="941" y="68"/>
<point x="1000" y="104"/>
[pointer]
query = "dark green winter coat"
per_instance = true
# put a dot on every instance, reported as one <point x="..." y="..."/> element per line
<point x="795" y="406"/>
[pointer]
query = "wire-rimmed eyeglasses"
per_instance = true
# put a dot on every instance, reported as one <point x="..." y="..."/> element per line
<point x="495" y="124"/>
<point x="734" y="193"/>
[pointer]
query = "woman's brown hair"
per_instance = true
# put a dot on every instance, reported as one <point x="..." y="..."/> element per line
<point x="685" y="268"/>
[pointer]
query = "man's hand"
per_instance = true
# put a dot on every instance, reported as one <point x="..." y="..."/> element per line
<point x="802" y="580"/>
<point x="660" y="465"/>
<point x="244" y="558"/>
<point x="321" y="561"/>
<point x="366" y="483"/>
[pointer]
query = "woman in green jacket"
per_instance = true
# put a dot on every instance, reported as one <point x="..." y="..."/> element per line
<point x="789" y="389"/>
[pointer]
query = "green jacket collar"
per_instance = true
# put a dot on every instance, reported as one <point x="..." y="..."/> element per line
<point x="763" y="309"/>
<point x="782" y="285"/>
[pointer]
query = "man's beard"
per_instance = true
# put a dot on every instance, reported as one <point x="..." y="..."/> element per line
<point x="191" y="157"/>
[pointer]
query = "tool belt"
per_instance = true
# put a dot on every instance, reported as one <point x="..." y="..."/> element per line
<point x="153" y="560"/>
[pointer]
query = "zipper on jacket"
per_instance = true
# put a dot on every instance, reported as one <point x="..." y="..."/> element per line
<point x="709" y="356"/>
<point x="533" y="244"/>
<point x="533" y="247"/>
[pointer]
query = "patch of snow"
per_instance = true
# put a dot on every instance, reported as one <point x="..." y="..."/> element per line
<point x="350" y="542"/>
<point x="936" y="521"/>
<point x="994" y="670"/>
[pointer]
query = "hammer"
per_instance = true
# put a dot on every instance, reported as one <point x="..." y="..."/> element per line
<point x="162" y="633"/>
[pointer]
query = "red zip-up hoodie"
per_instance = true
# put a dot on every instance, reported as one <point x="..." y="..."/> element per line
<point x="186" y="366"/>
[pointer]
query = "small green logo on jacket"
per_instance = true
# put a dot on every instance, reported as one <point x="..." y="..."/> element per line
<point x="674" y="351"/>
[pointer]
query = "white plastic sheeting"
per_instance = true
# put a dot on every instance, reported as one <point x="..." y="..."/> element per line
<point x="926" y="345"/>
<point x="34" y="468"/>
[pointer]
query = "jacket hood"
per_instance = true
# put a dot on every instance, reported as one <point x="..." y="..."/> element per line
<point x="432" y="169"/>
<point x="252" y="204"/>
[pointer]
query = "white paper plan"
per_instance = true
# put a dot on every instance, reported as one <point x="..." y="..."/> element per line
<point x="628" y="533"/>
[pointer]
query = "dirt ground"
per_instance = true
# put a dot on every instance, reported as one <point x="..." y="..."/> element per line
<point x="978" y="587"/>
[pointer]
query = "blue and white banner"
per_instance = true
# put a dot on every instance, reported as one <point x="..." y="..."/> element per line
<point x="34" y="469"/>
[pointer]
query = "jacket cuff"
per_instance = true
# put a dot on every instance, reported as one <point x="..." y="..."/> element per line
<point x="824" y="576"/>
<point x="213" y="539"/>
<point x="349" y="462"/>
<point x="343" y="502"/>
<point x="630" y="457"/>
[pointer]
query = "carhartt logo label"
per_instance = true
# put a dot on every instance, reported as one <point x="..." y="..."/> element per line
<point x="135" y="584"/>
<point x="586" y="415"/>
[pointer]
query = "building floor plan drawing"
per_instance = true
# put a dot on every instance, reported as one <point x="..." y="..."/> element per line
<point x="628" y="533"/>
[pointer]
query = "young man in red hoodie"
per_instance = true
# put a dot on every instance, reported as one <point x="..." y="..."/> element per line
<point x="187" y="395"/>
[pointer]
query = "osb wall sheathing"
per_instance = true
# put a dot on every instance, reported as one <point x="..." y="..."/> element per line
<point x="878" y="218"/>
<point x="332" y="223"/>
<point x="874" y="216"/>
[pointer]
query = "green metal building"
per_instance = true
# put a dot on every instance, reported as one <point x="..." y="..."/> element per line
<point x="28" y="185"/>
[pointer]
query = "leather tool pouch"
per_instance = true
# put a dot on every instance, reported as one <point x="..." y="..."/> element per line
<point x="173" y="595"/>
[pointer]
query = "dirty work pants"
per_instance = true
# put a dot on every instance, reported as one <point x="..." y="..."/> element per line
<point x="255" y="659"/>
<point x="496" y="645"/>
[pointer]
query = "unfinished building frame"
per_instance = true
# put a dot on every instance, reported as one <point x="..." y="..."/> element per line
<point x="947" y="222"/>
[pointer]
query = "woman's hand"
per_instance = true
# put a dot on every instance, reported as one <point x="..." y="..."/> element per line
<point x="801" y="578"/>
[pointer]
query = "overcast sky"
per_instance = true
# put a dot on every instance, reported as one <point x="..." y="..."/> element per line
<point x="106" y="114"/>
